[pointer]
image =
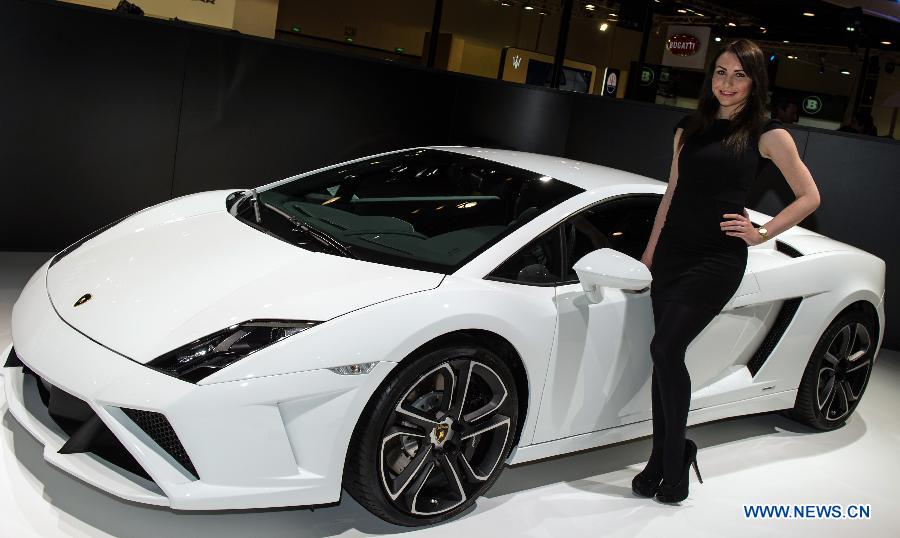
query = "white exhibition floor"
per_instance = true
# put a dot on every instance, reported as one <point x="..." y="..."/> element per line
<point x="763" y="459"/>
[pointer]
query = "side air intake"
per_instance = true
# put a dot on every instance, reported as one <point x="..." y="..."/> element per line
<point x="782" y="321"/>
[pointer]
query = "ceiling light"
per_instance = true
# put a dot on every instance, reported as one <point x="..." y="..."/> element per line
<point x="603" y="26"/>
<point x="681" y="10"/>
<point x="699" y="14"/>
<point x="851" y="29"/>
<point x="845" y="72"/>
<point x="717" y="39"/>
<point x="762" y="28"/>
<point x="613" y="14"/>
<point x="885" y="42"/>
<point x="809" y="14"/>
<point x="590" y="7"/>
<point x="732" y="24"/>
<point x="785" y="41"/>
<point x="529" y="8"/>
<point x="791" y="57"/>
<point x="542" y="12"/>
<point x="504" y="4"/>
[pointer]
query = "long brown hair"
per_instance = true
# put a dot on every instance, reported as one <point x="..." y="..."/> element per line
<point x="748" y="121"/>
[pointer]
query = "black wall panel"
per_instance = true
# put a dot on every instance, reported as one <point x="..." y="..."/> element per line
<point x="511" y="116"/>
<point x="255" y="111"/>
<point x="622" y="134"/>
<point x="88" y="120"/>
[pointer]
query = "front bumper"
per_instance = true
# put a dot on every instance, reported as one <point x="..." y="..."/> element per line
<point x="263" y="442"/>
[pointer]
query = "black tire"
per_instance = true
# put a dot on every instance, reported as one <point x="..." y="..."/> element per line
<point x="837" y="373"/>
<point x="417" y="455"/>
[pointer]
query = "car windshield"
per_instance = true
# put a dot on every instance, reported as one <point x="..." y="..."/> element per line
<point x="423" y="209"/>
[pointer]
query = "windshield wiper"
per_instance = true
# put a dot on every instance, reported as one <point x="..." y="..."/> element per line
<point x="320" y="236"/>
<point x="254" y="201"/>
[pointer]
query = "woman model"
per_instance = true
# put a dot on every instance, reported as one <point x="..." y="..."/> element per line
<point x="697" y="251"/>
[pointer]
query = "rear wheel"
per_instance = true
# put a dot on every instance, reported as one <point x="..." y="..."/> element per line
<point x="837" y="373"/>
<point x="435" y="438"/>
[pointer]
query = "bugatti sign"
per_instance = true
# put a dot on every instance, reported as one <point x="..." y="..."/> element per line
<point x="686" y="46"/>
<point x="683" y="44"/>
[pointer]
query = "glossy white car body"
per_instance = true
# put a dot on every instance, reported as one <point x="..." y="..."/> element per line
<point x="273" y="429"/>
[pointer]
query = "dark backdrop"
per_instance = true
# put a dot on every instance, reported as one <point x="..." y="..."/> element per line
<point x="102" y="114"/>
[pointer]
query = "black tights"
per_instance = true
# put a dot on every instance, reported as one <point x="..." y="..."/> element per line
<point x="676" y="326"/>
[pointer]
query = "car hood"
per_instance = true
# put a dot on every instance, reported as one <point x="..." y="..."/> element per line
<point x="180" y="271"/>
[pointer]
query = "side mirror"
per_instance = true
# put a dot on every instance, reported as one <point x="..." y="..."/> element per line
<point x="610" y="268"/>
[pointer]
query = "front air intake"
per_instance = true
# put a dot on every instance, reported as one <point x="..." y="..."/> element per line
<point x="157" y="426"/>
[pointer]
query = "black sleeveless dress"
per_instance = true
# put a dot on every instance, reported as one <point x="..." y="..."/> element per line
<point x="695" y="263"/>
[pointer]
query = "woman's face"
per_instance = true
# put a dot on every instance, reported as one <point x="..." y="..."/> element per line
<point x="730" y="84"/>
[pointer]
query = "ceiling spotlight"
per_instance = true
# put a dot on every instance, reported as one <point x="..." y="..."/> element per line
<point x="613" y="14"/>
<point x="791" y="57"/>
<point x="504" y="4"/>
<point x="542" y="12"/>
<point x="681" y="10"/>
<point x="529" y="8"/>
<point x="851" y="29"/>
<point x="785" y="41"/>
<point x="885" y="42"/>
<point x="809" y="14"/>
<point x="732" y="24"/>
<point x="603" y="26"/>
<point x="845" y="72"/>
<point x="762" y="29"/>
<point x="590" y="7"/>
<point x="717" y="39"/>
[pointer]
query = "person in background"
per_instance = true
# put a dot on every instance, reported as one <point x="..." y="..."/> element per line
<point x="861" y="122"/>
<point x="786" y="110"/>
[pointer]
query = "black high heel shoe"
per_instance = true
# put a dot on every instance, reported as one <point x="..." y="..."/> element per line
<point x="673" y="493"/>
<point x="645" y="483"/>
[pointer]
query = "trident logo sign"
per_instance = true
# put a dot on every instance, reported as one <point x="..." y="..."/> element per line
<point x="517" y="61"/>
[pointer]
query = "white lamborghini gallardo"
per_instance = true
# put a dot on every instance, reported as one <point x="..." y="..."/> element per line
<point x="402" y="327"/>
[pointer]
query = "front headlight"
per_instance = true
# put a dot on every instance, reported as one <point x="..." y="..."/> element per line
<point x="210" y="354"/>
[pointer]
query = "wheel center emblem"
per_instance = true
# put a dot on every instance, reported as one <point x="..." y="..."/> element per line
<point x="441" y="432"/>
<point x="83" y="299"/>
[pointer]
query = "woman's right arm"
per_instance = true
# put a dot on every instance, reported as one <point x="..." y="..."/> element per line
<point x="647" y="257"/>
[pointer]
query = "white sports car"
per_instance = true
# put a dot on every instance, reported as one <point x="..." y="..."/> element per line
<point x="403" y="326"/>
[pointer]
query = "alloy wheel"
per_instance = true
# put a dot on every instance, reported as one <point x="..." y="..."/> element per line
<point x="445" y="437"/>
<point x="844" y="370"/>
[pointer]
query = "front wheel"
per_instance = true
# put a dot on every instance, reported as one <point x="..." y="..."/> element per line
<point x="436" y="436"/>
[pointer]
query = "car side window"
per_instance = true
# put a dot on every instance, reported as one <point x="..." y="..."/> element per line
<point x="622" y="224"/>
<point x="538" y="263"/>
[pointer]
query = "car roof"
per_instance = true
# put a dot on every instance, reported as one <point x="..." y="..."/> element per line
<point x="579" y="173"/>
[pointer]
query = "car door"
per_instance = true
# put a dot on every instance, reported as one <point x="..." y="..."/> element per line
<point x="599" y="372"/>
